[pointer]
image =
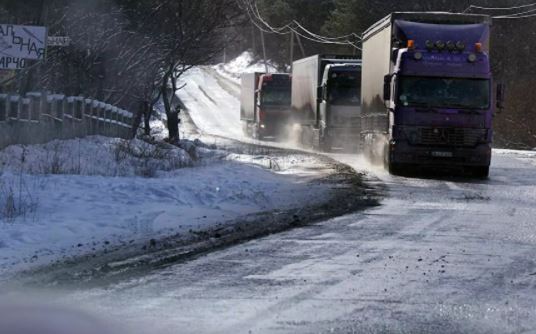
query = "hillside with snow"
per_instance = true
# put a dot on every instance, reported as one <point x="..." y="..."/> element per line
<point x="244" y="63"/>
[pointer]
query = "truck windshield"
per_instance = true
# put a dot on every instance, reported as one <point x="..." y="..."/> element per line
<point x="345" y="88"/>
<point x="276" y="96"/>
<point x="444" y="92"/>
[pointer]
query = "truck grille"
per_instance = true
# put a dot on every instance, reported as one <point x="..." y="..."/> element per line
<point x="449" y="137"/>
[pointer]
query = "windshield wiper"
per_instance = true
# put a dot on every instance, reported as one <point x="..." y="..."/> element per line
<point x="461" y="105"/>
<point x="421" y="104"/>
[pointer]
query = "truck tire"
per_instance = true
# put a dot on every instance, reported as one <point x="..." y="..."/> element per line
<point x="325" y="145"/>
<point x="397" y="169"/>
<point x="256" y="133"/>
<point x="480" y="172"/>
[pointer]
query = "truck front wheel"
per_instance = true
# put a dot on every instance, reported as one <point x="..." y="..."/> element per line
<point x="325" y="145"/>
<point x="257" y="133"/>
<point x="480" y="172"/>
<point x="245" y="129"/>
<point x="397" y="169"/>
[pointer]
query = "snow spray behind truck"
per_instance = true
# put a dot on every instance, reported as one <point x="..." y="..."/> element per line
<point x="326" y="102"/>
<point x="429" y="98"/>
<point x="265" y="104"/>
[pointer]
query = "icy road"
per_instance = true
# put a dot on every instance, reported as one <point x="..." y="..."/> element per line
<point x="438" y="256"/>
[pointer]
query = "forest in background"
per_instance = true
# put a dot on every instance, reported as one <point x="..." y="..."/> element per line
<point x="512" y="43"/>
<point x="129" y="52"/>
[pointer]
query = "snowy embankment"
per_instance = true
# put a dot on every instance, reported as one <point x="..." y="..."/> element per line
<point x="244" y="63"/>
<point x="94" y="195"/>
<point x="74" y="197"/>
<point x="212" y="96"/>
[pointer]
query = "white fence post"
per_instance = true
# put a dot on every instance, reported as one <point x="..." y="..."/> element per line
<point x="40" y="117"/>
<point x="36" y="104"/>
<point x="3" y="107"/>
<point x="14" y="107"/>
<point x="25" y="109"/>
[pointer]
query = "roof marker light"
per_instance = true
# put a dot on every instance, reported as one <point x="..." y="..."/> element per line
<point x="460" y="46"/>
<point x="478" y="47"/>
<point x="451" y="46"/>
<point x="429" y="44"/>
<point x="411" y="44"/>
<point x="440" y="45"/>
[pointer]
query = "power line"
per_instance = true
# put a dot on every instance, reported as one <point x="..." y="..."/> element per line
<point x="298" y="25"/>
<point x="516" y="15"/>
<point x="256" y="13"/>
<point x="499" y="8"/>
<point x="295" y="27"/>
<point x="324" y="37"/>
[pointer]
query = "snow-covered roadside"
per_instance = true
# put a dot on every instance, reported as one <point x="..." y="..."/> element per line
<point x="244" y="63"/>
<point x="83" y="196"/>
<point x="203" y="93"/>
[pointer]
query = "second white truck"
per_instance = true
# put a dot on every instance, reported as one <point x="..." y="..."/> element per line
<point x="326" y="102"/>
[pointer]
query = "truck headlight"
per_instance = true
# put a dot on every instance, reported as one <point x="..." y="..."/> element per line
<point x="472" y="58"/>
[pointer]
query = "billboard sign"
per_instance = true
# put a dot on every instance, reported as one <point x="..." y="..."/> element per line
<point x="10" y="63"/>
<point x="58" y="41"/>
<point x="24" y="42"/>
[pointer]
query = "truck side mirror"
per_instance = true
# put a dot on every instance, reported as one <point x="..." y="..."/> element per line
<point x="387" y="87"/>
<point x="501" y="91"/>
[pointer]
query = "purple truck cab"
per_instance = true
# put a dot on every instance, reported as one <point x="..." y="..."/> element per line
<point x="435" y="106"/>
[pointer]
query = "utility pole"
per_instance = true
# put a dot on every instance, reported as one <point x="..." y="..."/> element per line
<point x="264" y="50"/>
<point x="253" y="40"/>
<point x="291" y="49"/>
<point x="301" y="46"/>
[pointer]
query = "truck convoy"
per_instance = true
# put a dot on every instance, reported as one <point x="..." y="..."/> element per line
<point x="326" y="102"/>
<point x="265" y="104"/>
<point x="428" y="101"/>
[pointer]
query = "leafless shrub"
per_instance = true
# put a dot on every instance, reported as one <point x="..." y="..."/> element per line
<point x="147" y="158"/>
<point x="121" y="151"/>
<point x="16" y="196"/>
<point x="76" y="161"/>
<point x="54" y="162"/>
<point x="17" y="201"/>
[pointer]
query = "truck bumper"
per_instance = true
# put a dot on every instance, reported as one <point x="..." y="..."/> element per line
<point x="423" y="156"/>
<point x="342" y="138"/>
<point x="274" y="127"/>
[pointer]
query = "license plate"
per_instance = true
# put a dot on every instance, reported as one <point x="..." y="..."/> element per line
<point x="439" y="154"/>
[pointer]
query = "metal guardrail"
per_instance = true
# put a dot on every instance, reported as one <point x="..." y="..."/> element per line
<point x="38" y="118"/>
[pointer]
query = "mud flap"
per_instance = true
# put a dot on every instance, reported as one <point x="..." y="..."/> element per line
<point x="316" y="140"/>
<point x="245" y="129"/>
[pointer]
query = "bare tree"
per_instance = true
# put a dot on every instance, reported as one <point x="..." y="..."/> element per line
<point x="189" y="33"/>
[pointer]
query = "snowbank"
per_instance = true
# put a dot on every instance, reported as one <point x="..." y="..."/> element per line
<point x="76" y="197"/>
<point x="245" y="63"/>
<point x="213" y="109"/>
<point x="94" y="155"/>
